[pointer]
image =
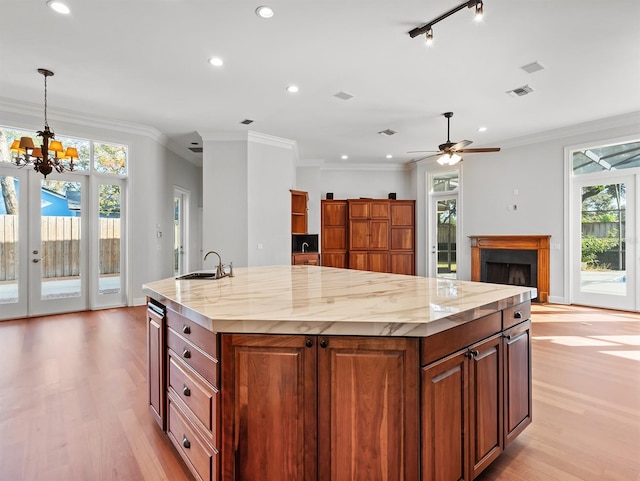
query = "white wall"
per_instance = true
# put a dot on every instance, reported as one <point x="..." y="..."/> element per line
<point x="246" y="199"/>
<point x="270" y="176"/>
<point x="152" y="170"/>
<point x="308" y="179"/>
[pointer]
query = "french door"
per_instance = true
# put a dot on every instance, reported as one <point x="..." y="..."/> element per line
<point x="604" y="266"/>
<point x="43" y="237"/>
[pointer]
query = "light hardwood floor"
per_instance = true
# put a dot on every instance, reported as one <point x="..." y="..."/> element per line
<point x="73" y="402"/>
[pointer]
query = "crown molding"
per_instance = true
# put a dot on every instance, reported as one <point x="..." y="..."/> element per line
<point x="619" y="121"/>
<point x="62" y="115"/>
<point x="364" y="167"/>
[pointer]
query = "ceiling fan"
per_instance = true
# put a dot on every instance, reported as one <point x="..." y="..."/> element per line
<point x="449" y="151"/>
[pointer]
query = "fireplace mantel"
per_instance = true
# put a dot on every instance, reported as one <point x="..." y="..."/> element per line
<point x="538" y="243"/>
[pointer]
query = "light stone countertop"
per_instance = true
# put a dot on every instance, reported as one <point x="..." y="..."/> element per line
<point x="324" y="300"/>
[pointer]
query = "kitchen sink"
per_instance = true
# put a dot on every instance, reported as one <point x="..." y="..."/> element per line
<point x="198" y="275"/>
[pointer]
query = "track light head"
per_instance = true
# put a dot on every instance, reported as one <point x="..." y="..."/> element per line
<point x="479" y="11"/>
<point x="429" y="36"/>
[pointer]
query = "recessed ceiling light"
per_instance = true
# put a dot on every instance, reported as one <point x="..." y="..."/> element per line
<point x="216" y="61"/>
<point x="264" y="12"/>
<point x="482" y="129"/>
<point x="344" y="157"/>
<point x="58" y="7"/>
<point x="293" y="89"/>
<point x="389" y="156"/>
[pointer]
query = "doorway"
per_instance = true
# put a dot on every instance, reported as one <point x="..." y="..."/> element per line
<point x="180" y="231"/>
<point x="443" y="225"/>
<point x="44" y="242"/>
<point x="603" y="233"/>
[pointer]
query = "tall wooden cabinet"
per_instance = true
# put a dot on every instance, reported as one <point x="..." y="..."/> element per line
<point x="155" y="361"/>
<point x="369" y="234"/>
<point x="291" y="399"/>
<point x="299" y="215"/>
<point x="334" y="216"/>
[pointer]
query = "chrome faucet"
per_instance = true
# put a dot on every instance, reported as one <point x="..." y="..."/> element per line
<point x="303" y="245"/>
<point x="219" y="270"/>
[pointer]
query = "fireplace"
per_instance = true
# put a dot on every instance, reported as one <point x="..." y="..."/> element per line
<point x="515" y="260"/>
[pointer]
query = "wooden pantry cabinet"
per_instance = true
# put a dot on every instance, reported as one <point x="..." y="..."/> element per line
<point x="369" y="234"/>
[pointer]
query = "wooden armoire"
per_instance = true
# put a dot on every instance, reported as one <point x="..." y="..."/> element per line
<point x="369" y="234"/>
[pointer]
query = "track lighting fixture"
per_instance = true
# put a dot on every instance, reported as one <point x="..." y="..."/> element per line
<point x="429" y="35"/>
<point x="479" y="11"/>
<point x="427" y="28"/>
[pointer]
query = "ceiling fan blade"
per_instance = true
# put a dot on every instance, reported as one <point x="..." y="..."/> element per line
<point x="460" y="145"/>
<point x="485" y="149"/>
<point x="426" y="157"/>
<point x="421" y="151"/>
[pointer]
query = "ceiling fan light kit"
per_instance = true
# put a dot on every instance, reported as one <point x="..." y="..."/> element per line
<point x="449" y="153"/>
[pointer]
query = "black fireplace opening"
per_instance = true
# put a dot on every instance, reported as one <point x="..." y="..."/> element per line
<point x="509" y="266"/>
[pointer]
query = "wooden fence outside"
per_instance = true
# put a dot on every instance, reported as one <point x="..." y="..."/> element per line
<point x="60" y="246"/>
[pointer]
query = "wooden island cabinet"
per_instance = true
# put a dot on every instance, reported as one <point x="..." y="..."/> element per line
<point x="330" y="374"/>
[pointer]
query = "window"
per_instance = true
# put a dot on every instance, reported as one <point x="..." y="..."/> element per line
<point x="606" y="158"/>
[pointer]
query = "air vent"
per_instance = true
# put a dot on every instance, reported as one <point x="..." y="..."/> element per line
<point x="532" y="67"/>
<point x="197" y="150"/>
<point x="247" y="121"/>
<point x="387" y="132"/>
<point x="343" y="95"/>
<point x="520" y="91"/>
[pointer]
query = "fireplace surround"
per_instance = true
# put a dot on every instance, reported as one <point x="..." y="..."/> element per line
<point x="518" y="266"/>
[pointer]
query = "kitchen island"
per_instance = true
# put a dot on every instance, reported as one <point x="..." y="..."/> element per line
<point x="315" y="373"/>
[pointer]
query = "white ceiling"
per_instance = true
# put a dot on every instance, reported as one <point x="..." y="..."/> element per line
<point x="145" y="62"/>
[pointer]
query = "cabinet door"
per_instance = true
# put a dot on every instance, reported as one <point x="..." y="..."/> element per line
<point x="334" y="238"/>
<point x="379" y="235"/>
<point x="269" y="406"/>
<point x="445" y="425"/>
<point x="335" y="259"/>
<point x="368" y="409"/>
<point x="359" y="260"/>
<point x="359" y="235"/>
<point x="379" y="209"/>
<point x="334" y="213"/>
<point x="517" y="380"/>
<point x="359" y="209"/>
<point x="378" y="261"/>
<point x="155" y="365"/>
<point x="485" y="403"/>
<point x="402" y="263"/>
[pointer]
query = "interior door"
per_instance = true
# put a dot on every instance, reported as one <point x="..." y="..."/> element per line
<point x="603" y="236"/>
<point x="57" y="239"/>
<point x="180" y="225"/>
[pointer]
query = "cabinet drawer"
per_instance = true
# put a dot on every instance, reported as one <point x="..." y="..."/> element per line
<point x="197" y="454"/>
<point x="444" y="343"/>
<point x="193" y="356"/>
<point x="198" y="335"/>
<point x="516" y="314"/>
<point x="201" y="399"/>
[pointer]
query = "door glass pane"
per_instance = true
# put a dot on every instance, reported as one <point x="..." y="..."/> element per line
<point x="445" y="182"/>
<point x="602" y="268"/>
<point x="446" y="235"/>
<point x="9" y="240"/>
<point x="177" y="237"/>
<point x="60" y="249"/>
<point x="109" y="281"/>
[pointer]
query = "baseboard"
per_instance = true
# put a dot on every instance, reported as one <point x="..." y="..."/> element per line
<point x="139" y="301"/>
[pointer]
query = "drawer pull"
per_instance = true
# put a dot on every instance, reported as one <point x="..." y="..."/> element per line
<point x="309" y="343"/>
<point x="186" y="354"/>
<point x="517" y="315"/>
<point x="185" y="442"/>
<point x="324" y="343"/>
<point x="507" y="337"/>
<point x="186" y="329"/>
<point x="471" y="354"/>
<point x="186" y="391"/>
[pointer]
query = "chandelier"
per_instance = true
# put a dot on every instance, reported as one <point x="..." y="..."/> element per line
<point x="51" y="153"/>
